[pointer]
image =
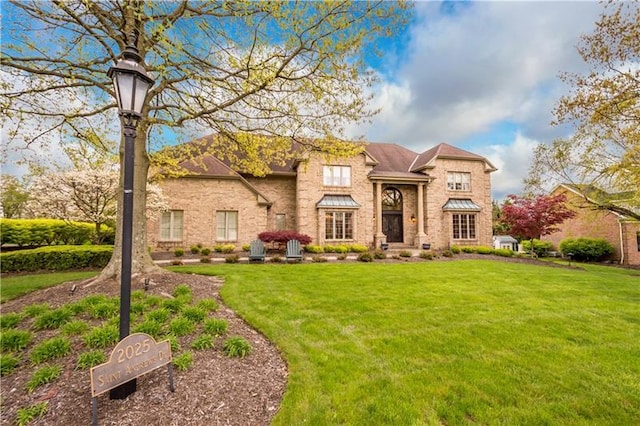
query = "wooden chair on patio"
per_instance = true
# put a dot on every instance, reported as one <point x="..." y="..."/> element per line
<point x="257" y="251"/>
<point x="294" y="251"/>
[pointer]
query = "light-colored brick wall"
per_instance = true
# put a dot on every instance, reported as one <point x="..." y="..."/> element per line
<point x="439" y="223"/>
<point x="592" y="223"/>
<point x="311" y="190"/>
<point x="281" y="191"/>
<point x="200" y="199"/>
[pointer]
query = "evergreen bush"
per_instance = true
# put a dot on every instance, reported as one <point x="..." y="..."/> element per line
<point x="586" y="249"/>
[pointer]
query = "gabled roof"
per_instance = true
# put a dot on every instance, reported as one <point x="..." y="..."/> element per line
<point x="427" y="159"/>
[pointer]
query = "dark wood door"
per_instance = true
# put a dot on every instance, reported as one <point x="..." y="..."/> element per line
<point x="392" y="226"/>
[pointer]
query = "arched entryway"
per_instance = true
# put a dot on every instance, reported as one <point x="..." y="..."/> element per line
<point x="392" y="215"/>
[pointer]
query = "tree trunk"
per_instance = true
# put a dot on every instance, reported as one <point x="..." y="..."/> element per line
<point x="141" y="262"/>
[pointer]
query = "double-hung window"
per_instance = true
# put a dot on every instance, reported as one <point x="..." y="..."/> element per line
<point x="171" y="225"/>
<point x="464" y="226"/>
<point x="226" y="225"/>
<point x="458" y="181"/>
<point x="336" y="176"/>
<point x="338" y="225"/>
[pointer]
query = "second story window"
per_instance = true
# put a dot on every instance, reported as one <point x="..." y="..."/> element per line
<point x="337" y="176"/>
<point x="458" y="181"/>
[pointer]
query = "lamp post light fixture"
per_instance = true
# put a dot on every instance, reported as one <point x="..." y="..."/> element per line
<point x="132" y="83"/>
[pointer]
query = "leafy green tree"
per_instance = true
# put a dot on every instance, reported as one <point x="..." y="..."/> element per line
<point x="258" y="74"/>
<point x="604" y="106"/>
<point x="13" y="197"/>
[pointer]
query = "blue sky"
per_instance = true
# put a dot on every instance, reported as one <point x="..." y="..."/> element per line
<point x="482" y="76"/>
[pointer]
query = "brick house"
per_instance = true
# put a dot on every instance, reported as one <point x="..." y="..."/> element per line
<point x="387" y="194"/>
<point x="620" y="231"/>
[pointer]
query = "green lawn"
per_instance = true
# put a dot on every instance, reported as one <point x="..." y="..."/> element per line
<point x="17" y="285"/>
<point x="447" y="342"/>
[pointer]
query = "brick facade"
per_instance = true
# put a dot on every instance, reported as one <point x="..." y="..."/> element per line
<point x="294" y="194"/>
<point x="589" y="222"/>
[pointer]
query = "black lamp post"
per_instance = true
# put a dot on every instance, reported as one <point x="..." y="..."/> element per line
<point x="131" y="84"/>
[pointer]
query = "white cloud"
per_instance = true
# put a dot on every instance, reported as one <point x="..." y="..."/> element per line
<point x="485" y="62"/>
<point x="512" y="161"/>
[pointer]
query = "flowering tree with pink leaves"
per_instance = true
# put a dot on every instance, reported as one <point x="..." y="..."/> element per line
<point x="533" y="217"/>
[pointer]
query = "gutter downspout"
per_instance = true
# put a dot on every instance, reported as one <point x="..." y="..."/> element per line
<point x="621" y="243"/>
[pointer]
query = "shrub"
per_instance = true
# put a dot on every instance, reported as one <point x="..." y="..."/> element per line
<point x="540" y="248"/>
<point x="8" y="363"/>
<point x="44" y="375"/>
<point x="484" y="250"/>
<point x="447" y="253"/>
<point x="173" y="305"/>
<point x="90" y="359"/>
<point x="205" y="251"/>
<point x="105" y="310"/>
<point x="75" y="328"/>
<point x="236" y="346"/>
<point x="424" y="254"/>
<point x="208" y="304"/>
<point x="312" y="248"/>
<point x="232" y="258"/>
<point x="159" y="315"/>
<point x="504" y="252"/>
<point x="342" y="256"/>
<point x="281" y="237"/>
<point x="215" y="326"/>
<point x="55" y="258"/>
<point x="182" y="290"/>
<point x="276" y="259"/>
<point x="404" y="253"/>
<point x="329" y="249"/>
<point x="319" y="259"/>
<point x="246" y="247"/>
<point x="53" y="348"/>
<point x="179" y="252"/>
<point x="217" y="248"/>
<point x="365" y="257"/>
<point x="586" y="249"/>
<point x="202" y="342"/>
<point x="205" y="259"/>
<point x="467" y="249"/>
<point x="10" y="320"/>
<point x="358" y="248"/>
<point x="102" y="337"/>
<point x="194" y="249"/>
<point x="341" y="249"/>
<point x="455" y="250"/>
<point x="150" y="327"/>
<point x="227" y="248"/>
<point x="194" y="313"/>
<point x="379" y="254"/>
<point x="12" y="340"/>
<point x="176" y="262"/>
<point x="183" y="361"/>
<point x="35" y="309"/>
<point x="37" y="232"/>
<point x="32" y="412"/>
<point x="181" y="326"/>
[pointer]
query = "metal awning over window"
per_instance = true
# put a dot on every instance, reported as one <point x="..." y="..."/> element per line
<point x="461" y="204"/>
<point x="337" y="201"/>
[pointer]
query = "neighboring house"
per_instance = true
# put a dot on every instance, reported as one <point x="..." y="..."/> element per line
<point x="620" y="231"/>
<point x="387" y="194"/>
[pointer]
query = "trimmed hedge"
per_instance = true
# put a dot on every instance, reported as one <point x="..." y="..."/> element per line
<point x="56" y="258"/>
<point x="38" y="232"/>
<point x="540" y="248"/>
<point x="586" y="249"/>
<point x="283" y="236"/>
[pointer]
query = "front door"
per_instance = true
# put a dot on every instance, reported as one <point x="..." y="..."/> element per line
<point x="392" y="226"/>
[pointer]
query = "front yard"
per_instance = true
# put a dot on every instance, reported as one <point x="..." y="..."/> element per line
<point x="447" y="342"/>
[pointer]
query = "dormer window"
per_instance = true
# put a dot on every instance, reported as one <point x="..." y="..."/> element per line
<point x="337" y="176"/>
<point x="458" y="181"/>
